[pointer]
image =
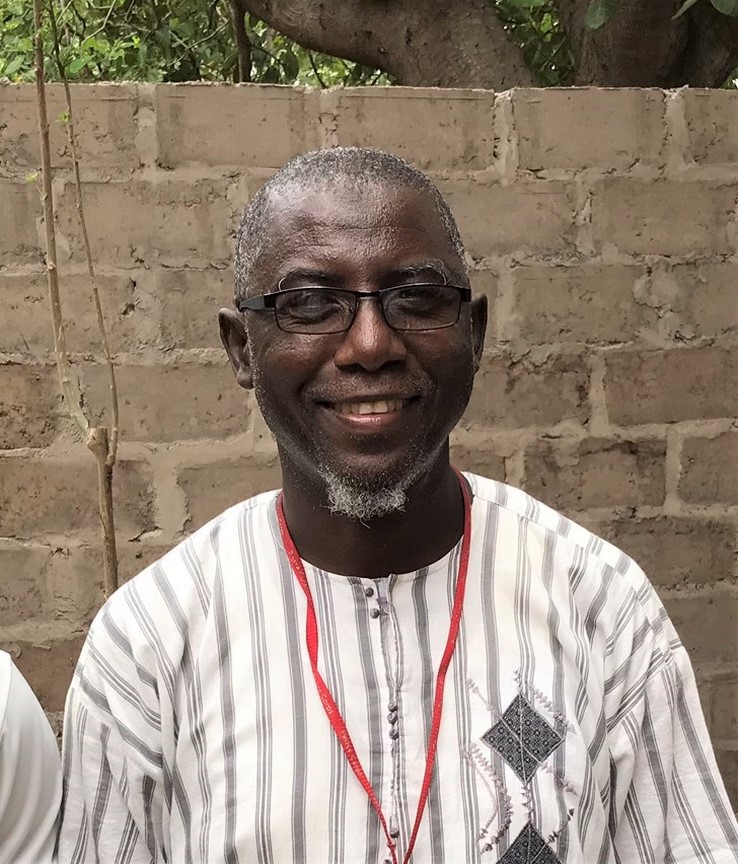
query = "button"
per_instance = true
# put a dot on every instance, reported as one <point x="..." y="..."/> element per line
<point x="392" y="717"/>
<point x="394" y="833"/>
<point x="369" y="592"/>
<point x="375" y="613"/>
<point x="394" y="733"/>
<point x="393" y="707"/>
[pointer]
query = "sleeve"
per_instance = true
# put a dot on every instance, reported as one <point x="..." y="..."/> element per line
<point x="112" y="808"/>
<point x="668" y="802"/>
<point x="30" y="777"/>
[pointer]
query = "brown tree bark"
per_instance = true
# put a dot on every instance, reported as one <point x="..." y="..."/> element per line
<point x="462" y="43"/>
<point x="429" y="43"/>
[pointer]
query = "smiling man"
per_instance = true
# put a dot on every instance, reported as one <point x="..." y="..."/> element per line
<point x="388" y="661"/>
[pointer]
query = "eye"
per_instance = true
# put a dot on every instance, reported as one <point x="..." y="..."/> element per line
<point x="311" y="305"/>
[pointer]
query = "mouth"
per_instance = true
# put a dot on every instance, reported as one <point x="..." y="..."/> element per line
<point x="369" y="408"/>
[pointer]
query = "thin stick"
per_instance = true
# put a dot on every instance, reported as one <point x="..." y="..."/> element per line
<point x="72" y="139"/>
<point x="67" y="378"/>
<point x="103" y="447"/>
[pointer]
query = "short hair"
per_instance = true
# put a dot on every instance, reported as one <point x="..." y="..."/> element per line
<point x="359" y="165"/>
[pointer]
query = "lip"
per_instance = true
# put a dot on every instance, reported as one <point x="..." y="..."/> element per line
<point x="368" y="423"/>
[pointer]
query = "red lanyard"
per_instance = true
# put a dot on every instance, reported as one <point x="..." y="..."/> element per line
<point x="329" y="705"/>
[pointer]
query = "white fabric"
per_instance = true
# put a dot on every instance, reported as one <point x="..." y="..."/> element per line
<point x="30" y="773"/>
<point x="571" y="729"/>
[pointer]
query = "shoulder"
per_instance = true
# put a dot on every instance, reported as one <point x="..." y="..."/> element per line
<point x="151" y="620"/>
<point x="30" y="780"/>
<point x="592" y="566"/>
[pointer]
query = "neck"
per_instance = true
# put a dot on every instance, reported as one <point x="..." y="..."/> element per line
<point x="429" y="526"/>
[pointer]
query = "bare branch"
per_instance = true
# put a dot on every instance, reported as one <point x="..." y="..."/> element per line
<point x="102" y="446"/>
<point x="67" y="378"/>
<point x="442" y="43"/>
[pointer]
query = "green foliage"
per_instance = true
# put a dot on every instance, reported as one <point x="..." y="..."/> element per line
<point x="162" y="40"/>
<point x="727" y="7"/>
<point x="192" y="40"/>
<point x="599" y="12"/>
<point x="534" y="26"/>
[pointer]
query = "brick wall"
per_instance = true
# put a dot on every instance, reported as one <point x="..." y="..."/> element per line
<point x="600" y="223"/>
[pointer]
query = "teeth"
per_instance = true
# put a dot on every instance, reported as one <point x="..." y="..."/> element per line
<point x="382" y="406"/>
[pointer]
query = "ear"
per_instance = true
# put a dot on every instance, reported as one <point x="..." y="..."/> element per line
<point x="479" y="327"/>
<point x="236" y="343"/>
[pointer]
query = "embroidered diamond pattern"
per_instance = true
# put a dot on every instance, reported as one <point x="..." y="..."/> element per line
<point x="529" y="848"/>
<point x="524" y="739"/>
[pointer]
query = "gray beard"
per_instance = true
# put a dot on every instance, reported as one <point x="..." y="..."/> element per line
<point x="349" y="498"/>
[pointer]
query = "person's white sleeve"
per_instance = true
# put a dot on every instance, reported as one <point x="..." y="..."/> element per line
<point x="30" y="773"/>
<point x="109" y="812"/>
<point x="669" y="803"/>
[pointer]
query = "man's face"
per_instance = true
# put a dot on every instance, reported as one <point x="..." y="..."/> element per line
<point x="372" y="406"/>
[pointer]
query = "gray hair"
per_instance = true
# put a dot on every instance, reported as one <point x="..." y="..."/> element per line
<point x="321" y="168"/>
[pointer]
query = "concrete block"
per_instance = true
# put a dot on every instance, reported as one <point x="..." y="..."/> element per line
<point x="479" y="460"/>
<point x="190" y="300"/>
<point x="575" y="129"/>
<point x="242" y="126"/>
<point x="105" y="122"/>
<point x="30" y="406"/>
<point x="172" y="403"/>
<point x="48" y="667"/>
<point x="25" y="325"/>
<point x="663" y="217"/>
<point x="20" y="207"/>
<point x="705" y="299"/>
<point x="711" y="117"/>
<point x="710" y="470"/>
<point x="136" y="223"/>
<point x="572" y="476"/>
<point x="677" y="551"/>
<point x="516" y="395"/>
<point x="581" y="303"/>
<point x="670" y="386"/>
<point x="705" y="623"/>
<point x="525" y="217"/>
<point x="45" y="496"/>
<point x="436" y="130"/>
<point x="23" y="593"/>
<point x="211" y="489"/>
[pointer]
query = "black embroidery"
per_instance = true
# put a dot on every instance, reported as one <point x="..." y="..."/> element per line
<point x="523" y="738"/>
<point x="529" y="848"/>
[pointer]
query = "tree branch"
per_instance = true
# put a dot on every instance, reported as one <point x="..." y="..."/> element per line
<point x="243" y="43"/>
<point x="103" y="447"/>
<point x="442" y="43"/>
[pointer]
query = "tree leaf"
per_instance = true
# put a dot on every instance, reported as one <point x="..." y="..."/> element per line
<point x="78" y="64"/>
<point x="599" y="12"/>
<point x="527" y="4"/>
<point x="727" y="7"/>
<point x="688" y="4"/>
<point x="14" y="65"/>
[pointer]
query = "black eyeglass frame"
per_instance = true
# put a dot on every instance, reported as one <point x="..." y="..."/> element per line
<point x="269" y="301"/>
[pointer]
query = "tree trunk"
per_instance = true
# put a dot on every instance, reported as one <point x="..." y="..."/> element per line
<point x="429" y="43"/>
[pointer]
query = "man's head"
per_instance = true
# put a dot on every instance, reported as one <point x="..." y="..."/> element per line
<point x="360" y="415"/>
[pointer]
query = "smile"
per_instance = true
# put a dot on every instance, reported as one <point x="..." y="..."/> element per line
<point x="380" y="406"/>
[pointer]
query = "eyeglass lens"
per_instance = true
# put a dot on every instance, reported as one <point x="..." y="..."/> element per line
<point x="331" y="310"/>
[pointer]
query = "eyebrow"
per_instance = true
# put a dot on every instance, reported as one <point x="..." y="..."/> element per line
<point x="322" y="277"/>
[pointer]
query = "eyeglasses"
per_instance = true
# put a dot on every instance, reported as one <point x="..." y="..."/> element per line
<point x="315" y="310"/>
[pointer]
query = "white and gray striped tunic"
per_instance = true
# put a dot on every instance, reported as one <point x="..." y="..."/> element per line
<point x="571" y="727"/>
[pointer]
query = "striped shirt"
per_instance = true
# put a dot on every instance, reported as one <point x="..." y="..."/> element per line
<point x="571" y="727"/>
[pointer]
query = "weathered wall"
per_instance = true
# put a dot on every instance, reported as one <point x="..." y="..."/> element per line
<point x="601" y="224"/>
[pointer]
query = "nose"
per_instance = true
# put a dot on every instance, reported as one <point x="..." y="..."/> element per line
<point x="370" y="342"/>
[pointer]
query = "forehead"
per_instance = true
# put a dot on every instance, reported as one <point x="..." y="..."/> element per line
<point x="367" y="229"/>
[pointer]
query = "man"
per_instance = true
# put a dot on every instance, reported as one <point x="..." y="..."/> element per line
<point x="30" y="773"/>
<point x="388" y="661"/>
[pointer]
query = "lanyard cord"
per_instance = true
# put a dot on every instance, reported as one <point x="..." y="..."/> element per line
<point x="329" y="705"/>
